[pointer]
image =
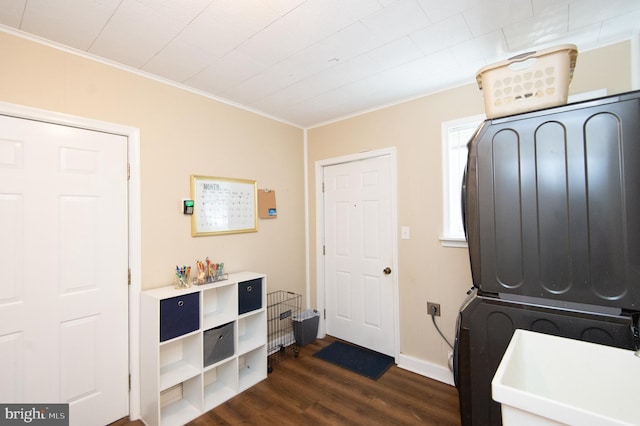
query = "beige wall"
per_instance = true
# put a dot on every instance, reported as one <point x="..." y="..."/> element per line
<point x="181" y="133"/>
<point x="427" y="271"/>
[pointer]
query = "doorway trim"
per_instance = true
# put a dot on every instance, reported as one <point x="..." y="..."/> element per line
<point x="134" y="222"/>
<point x="320" y="226"/>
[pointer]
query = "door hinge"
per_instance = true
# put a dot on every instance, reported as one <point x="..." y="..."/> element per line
<point x="324" y="251"/>
<point x="128" y="171"/>
<point x="325" y="313"/>
<point x="129" y="276"/>
<point x="322" y="186"/>
<point x="129" y="382"/>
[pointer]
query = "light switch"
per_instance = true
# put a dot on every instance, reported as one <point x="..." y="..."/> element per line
<point x="405" y="233"/>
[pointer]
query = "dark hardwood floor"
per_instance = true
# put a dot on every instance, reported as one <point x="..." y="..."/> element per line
<point x="309" y="391"/>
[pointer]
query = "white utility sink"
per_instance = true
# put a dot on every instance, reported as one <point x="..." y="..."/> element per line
<point x="550" y="380"/>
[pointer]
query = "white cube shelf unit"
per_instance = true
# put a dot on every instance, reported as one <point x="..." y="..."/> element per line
<point x="179" y="381"/>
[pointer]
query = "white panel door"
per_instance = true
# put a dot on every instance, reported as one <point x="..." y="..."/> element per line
<point x="358" y="250"/>
<point x="64" y="257"/>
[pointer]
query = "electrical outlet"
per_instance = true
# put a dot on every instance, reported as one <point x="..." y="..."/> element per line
<point x="433" y="308"/>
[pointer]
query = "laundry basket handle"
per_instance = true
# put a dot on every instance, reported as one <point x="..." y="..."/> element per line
<point x="522" y="55"/>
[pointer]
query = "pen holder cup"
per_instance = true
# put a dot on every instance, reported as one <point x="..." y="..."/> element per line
<point x="181" y="281"/>
<point x="219" y="275"/>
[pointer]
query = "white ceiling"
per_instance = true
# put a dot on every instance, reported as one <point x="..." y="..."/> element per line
<point x="311" y="61"/>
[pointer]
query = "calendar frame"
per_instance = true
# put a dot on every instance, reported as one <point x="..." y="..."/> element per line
<point x="223" y="206"/>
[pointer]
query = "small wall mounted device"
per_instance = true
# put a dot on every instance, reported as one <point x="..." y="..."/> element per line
<point x="187" y="206"/>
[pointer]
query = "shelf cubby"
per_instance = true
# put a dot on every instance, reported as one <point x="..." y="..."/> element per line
<point x="252" y="332"/>
<point x="184" y="403"/>
<point x="219" y="305"/>
<point x="179" y="360"/>
<point x="220" y="383"/>
<point x="252" y="367"/>
<point x="176" y="384"/>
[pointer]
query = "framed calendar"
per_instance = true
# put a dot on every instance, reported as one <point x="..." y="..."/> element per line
<point x="223" y="206"/>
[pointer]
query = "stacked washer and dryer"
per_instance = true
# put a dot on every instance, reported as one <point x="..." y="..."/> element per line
<point x="551" y="204"/>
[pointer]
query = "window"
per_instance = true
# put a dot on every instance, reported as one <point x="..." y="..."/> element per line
<point x="455" y="136"/>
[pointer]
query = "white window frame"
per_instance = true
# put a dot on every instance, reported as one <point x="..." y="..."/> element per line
<point x="455" y="136"/>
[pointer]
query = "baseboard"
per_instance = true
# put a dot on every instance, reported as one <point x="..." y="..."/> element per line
<point x="427" y="369"/>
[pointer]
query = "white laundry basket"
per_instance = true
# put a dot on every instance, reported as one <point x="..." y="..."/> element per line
<point x="528" y="82"/>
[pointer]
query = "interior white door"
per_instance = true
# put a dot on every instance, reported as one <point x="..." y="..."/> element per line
<point x="358" y="250"/>
<point x="64" y="257"/>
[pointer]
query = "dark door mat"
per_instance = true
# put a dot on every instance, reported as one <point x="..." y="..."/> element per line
<point x="354" y="358"/>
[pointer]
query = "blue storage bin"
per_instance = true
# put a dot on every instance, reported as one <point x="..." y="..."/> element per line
<point x="179" y="315"/>
<point x="249" y="295"/>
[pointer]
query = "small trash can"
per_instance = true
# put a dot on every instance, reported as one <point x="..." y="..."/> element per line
<point x="305" y="327"/>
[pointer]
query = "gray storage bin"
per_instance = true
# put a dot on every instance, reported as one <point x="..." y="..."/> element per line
<point x="305" y="327"/>
<point x="218" y="344"/>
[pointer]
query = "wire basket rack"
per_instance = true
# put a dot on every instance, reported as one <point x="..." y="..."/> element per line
<point x="282" y="307"/>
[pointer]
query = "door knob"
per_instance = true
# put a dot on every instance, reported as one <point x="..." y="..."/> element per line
<point x="386" y="270"/>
